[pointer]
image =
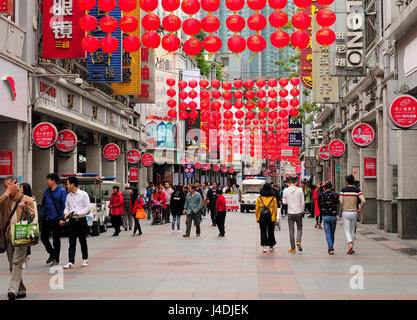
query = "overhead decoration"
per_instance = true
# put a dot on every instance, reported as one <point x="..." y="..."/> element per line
<point x="211" y="24"/>
<point x="236" y="24"/>
<point x="150" y="23"/>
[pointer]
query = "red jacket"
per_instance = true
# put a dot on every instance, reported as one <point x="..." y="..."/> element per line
<point x="160" y="196"/>
<point x="137" y="205"/>
<point x="316" y="203"/>
<point x="221" y="203"/>
<point x="116" y="201"/>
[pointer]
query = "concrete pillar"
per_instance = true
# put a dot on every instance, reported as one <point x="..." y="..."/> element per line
<point x="94" y="159"/>
<point x="67" y="163"/>
<point x="43" y="163"/>
<point x="379" y="136"/>
<point x="121" y="175"/>
<point x="368" y="188"/>
<point x="353" y="159"/>
<point x="108" y="168"/>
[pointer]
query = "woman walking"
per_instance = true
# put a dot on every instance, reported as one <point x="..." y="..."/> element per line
<point x="177" y="206"/>
<point x="221" y="211"/>
<point x="138" y="202"/>
<point x="266" y="215"/>
<point x="317" y="204"/>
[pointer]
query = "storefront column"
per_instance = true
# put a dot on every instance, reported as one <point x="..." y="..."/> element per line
<point x="94" y="159"/>
<point x="43" y="163"/>
<point x="368" y="188"/>
<point x="379" y="135"/>
<point x="121" y="174"/>
<point x="67" y="163"/>
<point x="352" y="156"/>
<point x="108" y="168"/>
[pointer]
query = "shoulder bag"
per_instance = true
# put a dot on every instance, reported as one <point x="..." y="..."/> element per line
<point x="24" y="234"/>
<point x="3" y="241"/>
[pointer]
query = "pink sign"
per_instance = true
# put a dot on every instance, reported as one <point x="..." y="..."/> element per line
<point x="206" y="166"/>
<point x="337" y="148"/>
<point x="369" y="167"/>
<point x="67" y="141"/>
<point x="216" y="168"/>
<point x="224" y="169"/>
<point x="134" y="175"/>
<point x="197" y="165"/>
<point x="147" y="160"/>
<point x="44" y="135"/>
<point x="403" y="111"/>
<point x="231" y="170"/>
<point x="363" y="135"/>
<point x="324" y="153"/>
<point x="111" y="152"/>
<point x="6" y="163"/>
<point x="298" y="169"/>
<point x="133" y="156"/>
<point x="185" y="161"/>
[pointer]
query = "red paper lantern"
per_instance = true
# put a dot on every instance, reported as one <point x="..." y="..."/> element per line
<point x="131" y="43"/>
<point x="216" y="94"/>
<point x="262" y="114"/>
<point x="192" y="105"/>
<point x="257" y="22"/>
<point x="228" y="114"/>
<point x="109" y="44"/>
<point x="273" y="104"/>
<point x="204" y="83"/>
<point x="295" y="92"/>
<point x="238" y="94"/>
<point x="210" y="23"/>
<point x="190" y="6"/>
<point x="183" y="106"/>
<point x="191" y="26"/>
<point x="238" y="84"/>
<point x="283" y="93"/>
<point x="88" y="23"/>
<point x="193" y="84"/>
<point x="260" y="83"/>
<point x="256" y="4"/>
<point x="235" y="23"/>
<point x="182" y="95"/>
<point x="325" y="36"/>
<point x="129" y="24"/>
<point x="227" y="105"/>
<point x="295" y="81"/>
<point x="151" y="22"/>
<point x="151" y="39"/>
<point x="172" y="103"/>
<point x="238" y="104"/>
<point x="272" y="83"/>
<point x="235" y="5"/>
<point x="216" y="105"/>
<point x="277" y="4"/>
<point x="192" y="94"/>
<point x="205" y="116"/>
<point x="108" y="24"/>
<point x="182" y="84"/>
<point x="273" y="115"/>
<point x="256" y="43"/>
<point x="293" y="112"/>
<point x="294" y="102"/>
<point x="210" y="5"/>
<point x="283" y="82"/>
<point x="90" y="44"/>
<point x="216" y="116"/>
<point x="325" y="2"/>
<point x="239" y="115"/>
<point x="280" y="39"/>
<point x="204" y="94"/>
<point x="283" y="113"/>
<point x="212" y="43"/>
<point x="326" y="17"/>
<point x="301" y="20"/>
<point x="250" y="115"/>
<point x="302" y="3"/>
<point x="261" y="94"/>
<point x="283" y="104"/>
<point x="227" y="95"/>
<point x="172" y="113"/>
<point x="183" y="115"/>
<point x="127" y="5"/>
<point x="278" y="19"/>
<point x="171" y="92"/>
<point x="86" y="5"/>
<point x="171" y="23"/>
<point x="107" y="5"/>
<point x="249" y="83"/>
<point x="171" y="43"/>
<point x="148" y="5"/>
<point x="215" y="84"/>
<point x="300" y="39"/>
<point x="236" y="44"/>
<point x="249" y="94"/>
<point x="193" y="115"/>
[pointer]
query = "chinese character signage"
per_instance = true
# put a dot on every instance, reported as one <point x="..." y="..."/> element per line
<point x="403" y="111"/>
<point x="61" y="32"/>
<point x="133" y="156"/>
<point x="102" y="66"/>
<point x="133" y="175"/>
<point x="363" y="135"/>
<point x="111" y="152"/>
<point x="295" y="139"/>
<point x="337" y="148"/>
<point x="369" y="168"/>
<point x="44" y="135"/>
<point x="67" y="141"/>
<point x="6" y="163"/>
<point x="306" y="57"/>
<point x="147" y="159"/>
<point x="324" y="153"/>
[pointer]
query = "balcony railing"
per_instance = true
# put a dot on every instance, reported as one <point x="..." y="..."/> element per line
<point x="12" y="38"/>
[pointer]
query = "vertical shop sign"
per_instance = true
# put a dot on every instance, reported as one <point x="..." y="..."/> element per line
<point x="6" y="163"/>
<point x="133" y="175"/>
<point x="369" y="168"/>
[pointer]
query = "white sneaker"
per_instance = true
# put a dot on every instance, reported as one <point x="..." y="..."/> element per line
<point x="271" y="249"/>
<point x="85" y="263"/>
<point x="265" y="250"/>
<point x="24" y="265"/>
<point x="69" y="265"/>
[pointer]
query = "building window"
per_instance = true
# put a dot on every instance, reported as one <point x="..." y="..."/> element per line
<point x="225" y="61"/>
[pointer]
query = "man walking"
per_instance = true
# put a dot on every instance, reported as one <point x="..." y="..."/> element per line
<point x="77" y="207"/>
<point x="149" y="195"/>
<point x="127" y="216"/>
<point x="211" y="202"/>
<point x="116" y="207"/>
<point x="293" y="197"/>
<point x="284" y="207"/>
<point x="52" y="212"/>
<point x="329" y="200"/>
<point x="192" y="207"/>
<point x="168" y="193"/>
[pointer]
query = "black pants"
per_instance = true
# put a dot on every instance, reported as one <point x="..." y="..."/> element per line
<point x="190" y="218"/>
<point x="284" y="209"/>
<point x="116" y="222"/>
<point x="320" y="217"/>
<point x="308" y="208"/>
<point x="213" y="215"/>
<point x="77" y="229"/>
<point x="48" y="227"/>
<point x="137" y="227"/>
<point x="220" y="219"/>
<point x="267" y="233"/>
<point x="167" y="213"/>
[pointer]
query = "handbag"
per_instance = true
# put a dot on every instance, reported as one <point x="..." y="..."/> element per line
<point x="140" y="213"/>
<point x="3" y="241"/>
<point x="24" y="234"/>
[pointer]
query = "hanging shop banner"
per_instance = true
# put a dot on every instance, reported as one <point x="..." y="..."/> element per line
<point x="216" y="168"/>
<point x="337" y="148"/>
<point x="363" y="135"/>
<point x="232" y="201"/>
<point x="133" y="156"/>
<point x="61" y="32"/>
<point x="44" y="135"/>
<point x="189" y="171"/>
<point x="133" y="175"/>
<point x="147" y="160"/>
<point x="369" y="168"/>
<point x="67" y="141"/>
<point x="206" y="166"/>
<point x="295" y="139"/>
<point x="306" y="57"/>
<point x="192" y="133"/>
<point x="198" y="165"/>
<point x="295" y="124"/>
<point x="111" y="152"/>
<point x="324" y="153"/>
<point x="151" y="129"/>
<point x="224" y="169"/>
<point x="102" y="66"/>
<point x="161" y="134"/>
<point x="403" y="111"/>
<point x="131" y="72"/>
<point x="6" y="163"/>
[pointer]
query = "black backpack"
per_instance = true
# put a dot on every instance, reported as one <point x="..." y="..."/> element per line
<point x="265" y="215"/>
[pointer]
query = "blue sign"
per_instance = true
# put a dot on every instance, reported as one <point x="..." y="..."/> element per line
<point x="189" y="171"/>
<point x="295" y="139"/>
<point x="98" y="66"/>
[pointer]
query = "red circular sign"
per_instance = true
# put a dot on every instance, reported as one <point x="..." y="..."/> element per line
<point x="216" y="168"/>
<point x="197" y="165"/>
<point x="231" y="170"/>
<point x="133" y="156"/>
<point x="111" y="152"/>
<point x="224" y="169"/>
<point x="337" y="148"/>
<point x="363" y="135"/>
<point x="147" y="160"/>
<point x="67" y="141"/>
<point x="206" y="166"/>
<point x="185" y="161"/>
<point x="403" y="111"/>
<point x="298" y="169"/>
<point x="44" y="135"/>
<point x="324" y="153"/>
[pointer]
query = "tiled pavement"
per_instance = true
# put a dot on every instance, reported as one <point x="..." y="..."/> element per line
<point x="160" y="265"/>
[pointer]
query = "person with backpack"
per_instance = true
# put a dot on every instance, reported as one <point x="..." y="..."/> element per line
<point x="293" y="197"/>
<point x="266" y="215"/>
<point x="328" y="208"/>
<point x="138" y="202"/>
<point x="177" y="206"/>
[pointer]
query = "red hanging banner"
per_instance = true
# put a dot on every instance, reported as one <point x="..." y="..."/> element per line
<point x="369" y="168"/>
<point x="6" y="163"/>
<point x="134" y="175"/>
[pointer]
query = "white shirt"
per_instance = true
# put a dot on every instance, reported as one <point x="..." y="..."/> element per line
<point x="79" y="203"/>
<point x="294" y="197"/>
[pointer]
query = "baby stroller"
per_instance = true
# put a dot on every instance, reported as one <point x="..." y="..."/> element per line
<point x="157" y="212"/>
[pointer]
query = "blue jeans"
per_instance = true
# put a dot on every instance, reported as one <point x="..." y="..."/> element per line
<point x="329" y="223"/>
<point x="178" y="219"/>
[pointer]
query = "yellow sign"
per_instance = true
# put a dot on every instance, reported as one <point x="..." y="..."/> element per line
<point x="131" y="83"/>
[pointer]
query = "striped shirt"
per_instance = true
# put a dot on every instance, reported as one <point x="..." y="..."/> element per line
<point x="349" y="199"/>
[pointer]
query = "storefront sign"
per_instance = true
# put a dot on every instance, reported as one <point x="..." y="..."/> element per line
<point x="206" y="166"/>
<point x="151" y="129"/>
<point x="298" y="169"/>
<point x="133" y="156"/>
<point x="369" y="168"/>
<point x="232" y="201"/>
<point x="224" y="169"/>
<point x="111" y="152"/>
<point x="403" y="111"/>
<point x="6" y="163"/>
<point x="133" y="175"/>
<point x="67" y="141"/>
<point x="324" y="153"/>
<point x="295" y="139"/>
<point x="216" y="168"/>
<point x="363" y="135"/>
<point x="197" y="165"/>
<point x="185" y="161"/>
<point x="337" y="148"/>
<point x="61" y="32"/>
<point x="295" y="124"/>
<point x="44" y="135"/>
<point x="306" y="57"/>
<point x="6" y="7"/>
<point x="231" y="170"/>
<point x="189" y="171"/>
<point x="12" y="85"/>
<point x="147" y="160"/>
